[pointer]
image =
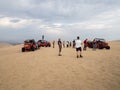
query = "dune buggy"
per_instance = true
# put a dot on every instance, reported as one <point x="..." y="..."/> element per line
<point x="44" y="43"/>
<point x="100" y="43"/>
<point x="29" y="45"/>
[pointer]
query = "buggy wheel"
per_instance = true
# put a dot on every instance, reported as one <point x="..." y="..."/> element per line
<point x="107" y="47"/>
<point x="100" y="47"/>
<point x="32" y="48"/>
<point x="23" y="49"/>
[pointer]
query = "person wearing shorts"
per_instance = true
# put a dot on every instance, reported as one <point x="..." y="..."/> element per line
<point x="78" y="44"/>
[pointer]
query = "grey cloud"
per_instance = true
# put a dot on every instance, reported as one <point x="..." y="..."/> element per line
<point x="55" y="14"/>
<point x="15" y="20"/>
<point x="56" y="10"/>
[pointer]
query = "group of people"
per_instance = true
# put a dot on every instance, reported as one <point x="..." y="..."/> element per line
<point x="78" y="44"/>
<point x="94" y="44"/>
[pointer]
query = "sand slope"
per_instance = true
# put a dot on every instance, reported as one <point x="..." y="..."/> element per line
<point x="4" y="45"/>
<point x="44" y="70"/>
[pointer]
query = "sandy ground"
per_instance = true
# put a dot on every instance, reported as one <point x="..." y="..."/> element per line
<point x="45" y="70"/>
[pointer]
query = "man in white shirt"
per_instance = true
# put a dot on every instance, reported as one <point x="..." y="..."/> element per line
<point x="78" y="44"/>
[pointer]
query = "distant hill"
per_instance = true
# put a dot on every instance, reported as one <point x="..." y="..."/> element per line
<point x="7" y="43"/>
<point x="10" y="43"/>
<point x="4" y="45"/>
<point x="116" y="40"/>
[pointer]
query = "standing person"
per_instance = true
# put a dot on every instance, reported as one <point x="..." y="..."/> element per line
<point x="70" y="44"/>
<point x="42" y="37"/>
<point x="78" y="44"/>
<point x="67" y="44"/>
<point x="73" y="43"/>
<point x="94" y="45"/>
<point x="53" y="44"/>
<point x="60" y="47"/>
<point x="64" y="44"/>
<point x="85" y="44"/>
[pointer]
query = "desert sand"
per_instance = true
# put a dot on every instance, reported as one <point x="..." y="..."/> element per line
<point x="43" y="69"/>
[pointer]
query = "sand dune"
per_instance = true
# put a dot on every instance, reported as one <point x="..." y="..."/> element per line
<point x="44" y="70"/>
<point x="4" y="45"/>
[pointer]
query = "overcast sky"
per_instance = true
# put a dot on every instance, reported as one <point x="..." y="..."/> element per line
<point x="65" y="19"/>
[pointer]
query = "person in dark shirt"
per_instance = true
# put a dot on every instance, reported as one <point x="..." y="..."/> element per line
<point x="60" y="47"/>
<point x="85" y="44"/>
<point x="53" y="44"/>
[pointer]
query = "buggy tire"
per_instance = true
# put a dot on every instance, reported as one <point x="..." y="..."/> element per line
<point x="100" y="47"/>
<point x="23" y="49"/>
<point x="32" y="48"/>
<point x="49" y="45"/>
<point x="107" y="47"/>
